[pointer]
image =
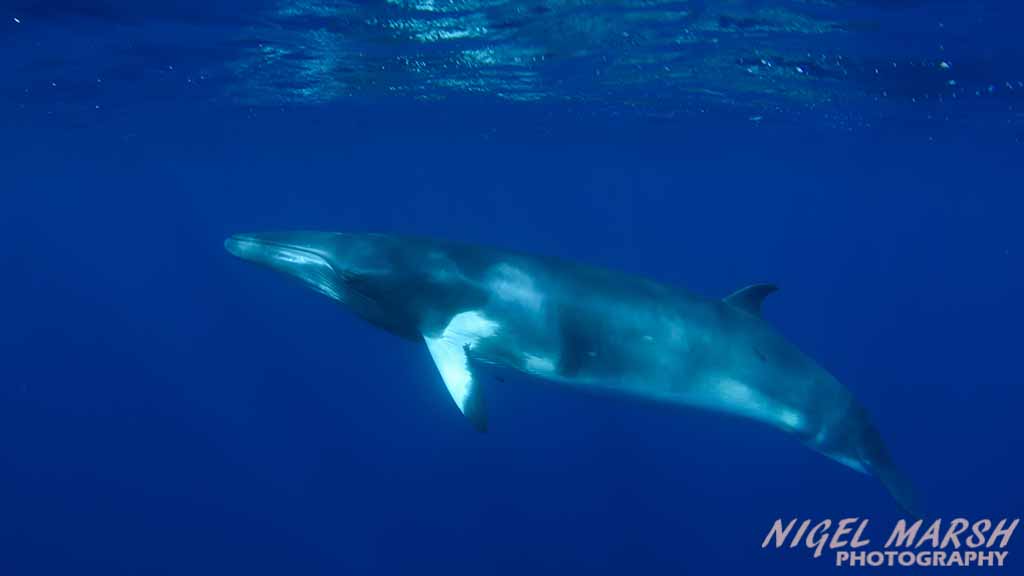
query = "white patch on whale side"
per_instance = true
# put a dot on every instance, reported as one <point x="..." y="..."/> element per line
<point x="539" y="365"/>
<point x="738" y="393"/>
<point x="511" y="284"/>
<point x="448" y="350"/>
<point x="747" y="401"/>
<point x="849" y="461"/>
<point x="790" y="419"/>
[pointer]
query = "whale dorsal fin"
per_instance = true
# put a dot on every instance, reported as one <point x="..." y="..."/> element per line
<point x="450" y="351"/>
<point x="749" y="298"/>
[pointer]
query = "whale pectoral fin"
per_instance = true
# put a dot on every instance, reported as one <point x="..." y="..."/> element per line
<point x="749" y="299"/>
<point x="453" y="363"/>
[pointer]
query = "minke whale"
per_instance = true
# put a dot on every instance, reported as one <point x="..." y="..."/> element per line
<point x="584" y="327"/>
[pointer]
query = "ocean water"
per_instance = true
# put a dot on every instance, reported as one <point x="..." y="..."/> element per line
<point x="168" y="409"/>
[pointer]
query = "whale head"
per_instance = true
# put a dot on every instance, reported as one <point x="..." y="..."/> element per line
<point x="311" y="257"/>
<point x="357" y="270"/>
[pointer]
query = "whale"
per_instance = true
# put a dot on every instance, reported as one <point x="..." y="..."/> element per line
<point x="476" y="308"/>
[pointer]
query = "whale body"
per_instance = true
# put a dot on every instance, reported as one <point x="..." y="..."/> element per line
<point x="581" y="326"/>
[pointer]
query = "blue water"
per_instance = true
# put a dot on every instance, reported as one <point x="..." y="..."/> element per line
<point x="167" y="409"/>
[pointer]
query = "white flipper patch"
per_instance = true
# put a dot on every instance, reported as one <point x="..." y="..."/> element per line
<point x="449" y="351"/>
